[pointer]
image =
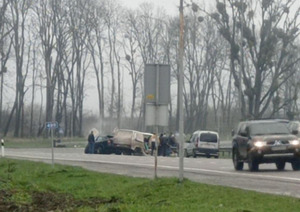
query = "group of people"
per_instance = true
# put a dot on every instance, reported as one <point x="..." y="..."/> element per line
<point x="166" y="145"/>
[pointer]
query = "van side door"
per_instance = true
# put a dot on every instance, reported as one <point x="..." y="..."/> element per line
<point x="194" y="140"/>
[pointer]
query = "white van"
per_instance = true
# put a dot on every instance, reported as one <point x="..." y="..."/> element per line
<point x="205" y="143"/>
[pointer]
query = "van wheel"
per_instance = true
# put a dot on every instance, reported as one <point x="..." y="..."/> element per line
<point x="235" y="159"/>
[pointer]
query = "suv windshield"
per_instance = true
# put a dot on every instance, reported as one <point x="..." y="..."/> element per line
<point x="208" y="137"/>
<point x="268" y="128"/>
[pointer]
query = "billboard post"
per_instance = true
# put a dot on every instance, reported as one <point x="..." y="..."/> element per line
<point x="157" y="93"/>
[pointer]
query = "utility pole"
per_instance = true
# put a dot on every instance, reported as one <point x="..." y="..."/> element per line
<point x="242" y="64"/>
<point x="180" y="92"/>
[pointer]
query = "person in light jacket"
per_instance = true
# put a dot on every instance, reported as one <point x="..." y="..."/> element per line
<point x="153" y="141"/>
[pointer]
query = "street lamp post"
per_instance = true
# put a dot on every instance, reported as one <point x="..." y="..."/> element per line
<point x="180" y="92"/>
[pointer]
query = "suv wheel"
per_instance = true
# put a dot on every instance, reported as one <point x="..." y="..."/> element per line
<point x="252" y="163"/>
<point x="280" y="165"/>
<point x="99" y="150"/>
<point x="236" y="163"/>
<point x="296" y="164"/>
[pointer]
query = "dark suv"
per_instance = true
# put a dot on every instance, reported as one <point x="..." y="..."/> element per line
<point x="265" y="141"/>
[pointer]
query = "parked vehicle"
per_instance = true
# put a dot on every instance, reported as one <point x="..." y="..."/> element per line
<point x="127" y="142"/>
<point x="203" y="143"/>
<point x="189" y="149"/>
<point x="265" y="141"/>
<point x="130" y="142"/>
<point x="103" y="145"/>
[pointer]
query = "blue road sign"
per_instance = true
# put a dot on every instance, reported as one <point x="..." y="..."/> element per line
<point x="52" y="125"/>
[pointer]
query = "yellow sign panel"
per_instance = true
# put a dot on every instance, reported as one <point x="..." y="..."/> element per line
<point x="150" y="96"/>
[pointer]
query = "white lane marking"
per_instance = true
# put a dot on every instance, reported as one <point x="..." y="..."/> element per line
<point x="167" y="167"/>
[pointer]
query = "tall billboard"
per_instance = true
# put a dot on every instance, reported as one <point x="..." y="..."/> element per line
<point x="157" y="94"/>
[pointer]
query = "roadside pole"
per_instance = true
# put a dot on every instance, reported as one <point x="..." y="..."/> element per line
<point x="156" y="151"/>
<point x="2" y="148"/>
<point x="51" y="126"/>
<point x="52" y="148"/>
<point x="157" y="93"/>
<point x="180" y="92"/>
<point x="156" y="118"/>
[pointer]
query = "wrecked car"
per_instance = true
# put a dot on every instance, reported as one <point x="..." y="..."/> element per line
<point x="127" y="142"/>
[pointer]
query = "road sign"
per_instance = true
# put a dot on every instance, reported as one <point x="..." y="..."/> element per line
<point x="156" y="115"/>
<point x="52" y="125"/>
<point x="157" y="83"/>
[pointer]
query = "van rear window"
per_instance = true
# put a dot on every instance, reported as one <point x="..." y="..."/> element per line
<point x="208" y="137"/>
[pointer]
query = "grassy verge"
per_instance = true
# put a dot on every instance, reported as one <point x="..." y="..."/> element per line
<point x="31" y="186"/>
<point x="43" y="142"/>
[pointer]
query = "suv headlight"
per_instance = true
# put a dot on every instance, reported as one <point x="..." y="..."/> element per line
<point x="295" y="142"/>
<point x="260" y="143"/>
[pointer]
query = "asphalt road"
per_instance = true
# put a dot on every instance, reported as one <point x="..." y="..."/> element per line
<point x="204" y="170"/>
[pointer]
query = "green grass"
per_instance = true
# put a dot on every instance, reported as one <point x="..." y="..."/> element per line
<point x="43" y="142"/>
<point x="33" y="186"/>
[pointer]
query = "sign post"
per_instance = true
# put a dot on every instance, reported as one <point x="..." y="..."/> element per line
<point x="51" y="126"/>
<point x="157" y="92"/>
<point x="2" y="148"/>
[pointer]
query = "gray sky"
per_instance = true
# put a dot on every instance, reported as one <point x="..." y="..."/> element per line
<point x="170" y="5"/>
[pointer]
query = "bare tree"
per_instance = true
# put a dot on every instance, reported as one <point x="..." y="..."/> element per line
<point x="96" y="45"/>
<point x="266" y="48"/>
<point x="203" y="53"/>
<point x="34" y="79"/>
<point x="45" y="17"/>
<point x="5" y="47"/>
<point x="146" y="44"/>
<point x="133" y="58"/>
<point x="80" y="26"/>
<point x="112" y="20"/>
<point x="19" y="11"/>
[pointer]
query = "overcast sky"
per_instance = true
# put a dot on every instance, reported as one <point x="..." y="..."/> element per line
<point x="171" y="6"/>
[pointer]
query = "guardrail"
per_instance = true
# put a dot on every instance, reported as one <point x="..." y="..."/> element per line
<point x="225" y="151"/>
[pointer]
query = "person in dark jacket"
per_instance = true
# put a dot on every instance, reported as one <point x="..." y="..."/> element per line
<point x="91" y="141"/>
<point x="164" y="145"/>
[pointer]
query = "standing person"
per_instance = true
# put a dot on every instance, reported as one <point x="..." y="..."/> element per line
<point x="160" y="147"/>
<point x="91" y="140"/>
<point x="165" y="145"/>
<point x="153" y="141"/>
<point x="173" y="144"/>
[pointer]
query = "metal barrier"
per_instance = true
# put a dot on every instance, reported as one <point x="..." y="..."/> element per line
<point x="225" y="151"/>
